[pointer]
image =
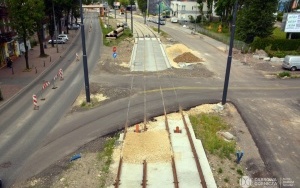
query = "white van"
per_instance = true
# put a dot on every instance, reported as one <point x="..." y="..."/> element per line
<point x="174" y="20"/>
<point x="291" y="62"/>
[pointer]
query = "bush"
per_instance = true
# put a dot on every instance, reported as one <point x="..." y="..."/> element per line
<point x="285" y="45"/>
<point x="284" y="74"/>
<point x="260" y="43"/>
<point x="280" y="54"/>
<point x="276" y="44"/>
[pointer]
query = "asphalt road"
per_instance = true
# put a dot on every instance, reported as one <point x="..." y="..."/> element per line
<point x="33" y="140"/>
<point x="23" y="128"/>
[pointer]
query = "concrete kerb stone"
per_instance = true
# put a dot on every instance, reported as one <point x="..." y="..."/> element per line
<point x="34" y="81"/>
<point x="208" y="175"/>
<point x="133" y="55"/>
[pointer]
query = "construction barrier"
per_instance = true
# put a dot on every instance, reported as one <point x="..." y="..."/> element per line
<point x="35" y="105"/>
<point x="45" y="85"/>
<point x="55" y="77"/>
<point x="61" y="74"/>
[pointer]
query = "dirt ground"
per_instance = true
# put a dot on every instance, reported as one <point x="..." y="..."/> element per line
<point x="85" y="172"/>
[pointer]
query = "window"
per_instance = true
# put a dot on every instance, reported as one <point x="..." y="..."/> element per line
<point x="183" y="7"/>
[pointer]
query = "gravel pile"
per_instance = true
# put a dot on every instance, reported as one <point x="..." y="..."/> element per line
<point x="187" y="57"/>
<point x="153" y="146"/>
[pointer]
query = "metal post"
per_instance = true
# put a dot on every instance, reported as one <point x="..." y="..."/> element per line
<point x="84" y="57"/>
<point x="229" y="55"/>
<point x="158" y="17"/>
<point x="131" y="17"/>
<point x="55" y="26"/>
<point x="147" y="9"/>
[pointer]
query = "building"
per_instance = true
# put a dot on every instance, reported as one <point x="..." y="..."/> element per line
<point x="183" y="10"/>
<point x="9" y="47"/>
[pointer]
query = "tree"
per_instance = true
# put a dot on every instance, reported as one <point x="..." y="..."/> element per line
<point x="125" y="3"/>
<point x="224" y="9"/>
<point x="255" y="19"/>
<point x="200" y="8"/>
<point x="142" y="4"/>
<point x="23" y="16"/>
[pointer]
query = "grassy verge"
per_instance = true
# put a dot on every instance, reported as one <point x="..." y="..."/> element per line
<point x="105" y="156"/>
<point x="161" y="32"/>
<point x="278" y="33"/>
<point x="113" y="42"/>
<point x="287" y="74"/>
<point x="206" y="127"/>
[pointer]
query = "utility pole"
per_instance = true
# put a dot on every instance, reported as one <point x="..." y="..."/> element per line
<point x="148" y="8"/>
<point x="55" y="29"/>
<point x="84" y="57"/>
<point x="158" y="17"/>
<point x="131" y="18"/>
<point x="229" y="55"/>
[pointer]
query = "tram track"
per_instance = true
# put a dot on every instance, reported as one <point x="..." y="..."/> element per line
<point x="163" y="82"/>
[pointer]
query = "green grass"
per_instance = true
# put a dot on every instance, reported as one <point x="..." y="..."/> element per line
<point x="284" y="74"/>
<point x="105" y="157"/>
<point x="113" y="42"/>
<point x="278" y="34"/>
<point x="220" y="170"/>
<point x="161" y="32"/>
<point x="206" y="127"/>
<point x="226" y="179"/>
<point x="214" y="26"/>
<point x="240" y="172"/>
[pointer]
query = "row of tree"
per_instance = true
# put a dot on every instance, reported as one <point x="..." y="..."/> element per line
<point x="255" y="18"/>
<point x="28" y="17"/>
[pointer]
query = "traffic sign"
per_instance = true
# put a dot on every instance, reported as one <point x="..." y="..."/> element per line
<point x="114" y="49"/>
<point x="114" y="55"/>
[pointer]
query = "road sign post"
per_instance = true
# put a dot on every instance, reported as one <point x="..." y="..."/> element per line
<point x="114" y="56"/>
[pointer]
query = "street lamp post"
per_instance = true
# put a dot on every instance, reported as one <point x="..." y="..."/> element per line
<point x="148" y="8"/>
<point x="84" y="57"/>
<point x="131" y="17"/>
<point x="158" y="18"/>
<point x="226" y="82"/>
<point x="55" y="29"/>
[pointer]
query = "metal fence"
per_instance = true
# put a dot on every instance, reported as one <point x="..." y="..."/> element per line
<point x="239" y="45"/>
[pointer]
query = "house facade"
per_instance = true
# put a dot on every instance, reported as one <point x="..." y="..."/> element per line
<point x="8" y="43"/>
<point x="185" y="9"/>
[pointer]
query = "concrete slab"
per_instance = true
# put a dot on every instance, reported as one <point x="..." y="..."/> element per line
<point x="160" y="175"/>
<point x="131" y="176"/>
<point x="148" y="55"/>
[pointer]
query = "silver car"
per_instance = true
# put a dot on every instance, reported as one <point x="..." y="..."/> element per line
<point x="291" y="62"/>
<point x="64" y="37"/>
<point x="58" y="41"/>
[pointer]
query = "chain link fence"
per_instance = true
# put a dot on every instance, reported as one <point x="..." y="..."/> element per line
<point x="239" y="45"/>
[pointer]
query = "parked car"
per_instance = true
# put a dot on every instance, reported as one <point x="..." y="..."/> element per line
<point x="73" y="26"/>
<point x="149" y="19"/>
<point x="291" y="62"/>
<point x="0" y="183"/>
<point x="174" y="20"/>
<point x="58" y="41"/>
<point x="161" y="22"/>
<point x="63" y="36"/>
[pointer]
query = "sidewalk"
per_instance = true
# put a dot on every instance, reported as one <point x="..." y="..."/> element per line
<point x="12" y="80"/>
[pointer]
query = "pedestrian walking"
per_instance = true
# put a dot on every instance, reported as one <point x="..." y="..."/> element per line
<point x="9" y="62"/>
<point x="77" y="57"/>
